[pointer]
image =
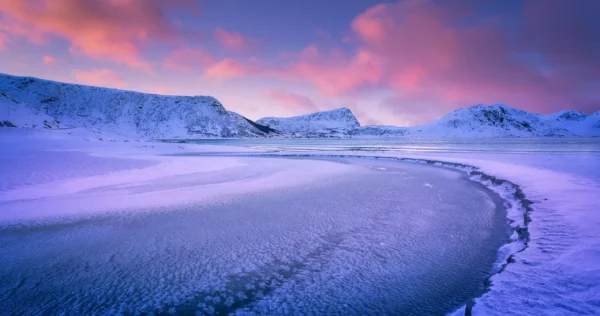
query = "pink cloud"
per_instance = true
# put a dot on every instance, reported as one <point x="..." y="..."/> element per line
<point x="336" y="73"/>
<point x="99" y="77"/>
<point x="104" y="30"/>
<point x="433" y="63"/>
<point x="160" y="91"/>
<point x="231" y="40"/>
<point x="460" y="65"/>
<point x="3" y="40"/>
<point x="332" y="73"/>
<point x="188" y="59"/>
<point x="49" y="59"/>
<point x="228" y="68"/>
<point x="310" y="52"/>
<point x="11" y="28"/>
<point x="232" y="68"/>
<point x="291" y="100"/>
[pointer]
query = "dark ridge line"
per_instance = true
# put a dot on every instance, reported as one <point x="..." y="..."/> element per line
<point x="263" y="128"/>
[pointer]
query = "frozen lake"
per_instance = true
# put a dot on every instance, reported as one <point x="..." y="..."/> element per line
<point x="390" y="238"/>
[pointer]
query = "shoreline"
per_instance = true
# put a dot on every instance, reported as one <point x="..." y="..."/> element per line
<point x="558" y="270"/>
<point x="465" y="193"/>
<point x="511" y="194"/>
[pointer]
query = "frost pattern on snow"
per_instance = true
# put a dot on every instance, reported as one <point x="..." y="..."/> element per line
<point x="36" y="103"/>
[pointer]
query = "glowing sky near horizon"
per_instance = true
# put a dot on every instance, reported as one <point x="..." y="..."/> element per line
<point x="392" y="62"/>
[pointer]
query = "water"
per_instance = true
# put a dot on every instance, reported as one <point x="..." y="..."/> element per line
<point x="420" y="145"/>
<point x="392" y="238"/>
<point x="574" y="154"/>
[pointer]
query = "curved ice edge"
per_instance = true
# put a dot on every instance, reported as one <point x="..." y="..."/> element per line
<point x="518" y="210"/>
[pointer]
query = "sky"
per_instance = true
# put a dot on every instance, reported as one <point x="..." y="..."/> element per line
<point x="401" y="63"/>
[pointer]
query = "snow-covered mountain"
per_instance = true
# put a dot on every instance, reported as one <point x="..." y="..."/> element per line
<point x="379" y="130"/>
<point x="499" y="120"/>
<point x="36" y="103"/>
<point x="326" y="122"/>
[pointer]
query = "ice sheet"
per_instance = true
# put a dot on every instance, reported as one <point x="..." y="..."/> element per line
<point x="370" y="241"/>
<point x="556" y="274"/>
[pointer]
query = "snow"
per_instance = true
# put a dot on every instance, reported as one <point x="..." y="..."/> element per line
<point x="497" y="120"/>
<point x="263" y="246"/>
<point x="36" y="103"/>
<point x="78" y="153"/>
<point x="317" y="123"/>
<point x="379" y="131"/>
<point x="557" y="273"/>
<point x="64" y="178"/>
<point x="50" y="174"/>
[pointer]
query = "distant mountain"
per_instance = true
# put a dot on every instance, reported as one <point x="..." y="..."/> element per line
<point x="333" y="122"/>
<point x="499" y="120"/>
<point x="36" y="103"/>
<point x="379" y="130"/>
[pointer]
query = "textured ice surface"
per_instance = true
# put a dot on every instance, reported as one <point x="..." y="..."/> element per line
<point x="387" y="238"/>
<point x="558" y="272"/>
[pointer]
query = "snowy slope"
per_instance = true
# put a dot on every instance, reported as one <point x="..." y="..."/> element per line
<point x="481" y="120"/>
<point x="318" y="122"/>
<point x="576" y="122"/>
<point x="499" y="120"/>
<point x="30" y="102"/>
<point x="378" y="130"/>
<point x="36" y="103"/>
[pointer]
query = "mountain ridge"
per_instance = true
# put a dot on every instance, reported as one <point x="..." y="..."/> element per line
<point x="39" y="102"/>
<point x="316" y="122"/>
<point x="29" y="102"/>
<point x="496" y="120"/>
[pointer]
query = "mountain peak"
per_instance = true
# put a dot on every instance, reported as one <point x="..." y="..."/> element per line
<point x="568" y="115"/>
<point x="341" y="118"/>
<point x="39" y="103"/>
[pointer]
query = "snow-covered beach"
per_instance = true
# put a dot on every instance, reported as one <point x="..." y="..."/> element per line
<point x="556" y="273"/>
<point x="74" y="178"/>
<point x="340" y="157"/>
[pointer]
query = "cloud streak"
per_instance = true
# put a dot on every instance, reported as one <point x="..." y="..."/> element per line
<point x="47" y="59"/>
<point x="231" y="40"/>
<point x="103" y="30"/>
<point x="292" y="101"/>
<point x="424" y="52"/>
<point x="99" y="77"/>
